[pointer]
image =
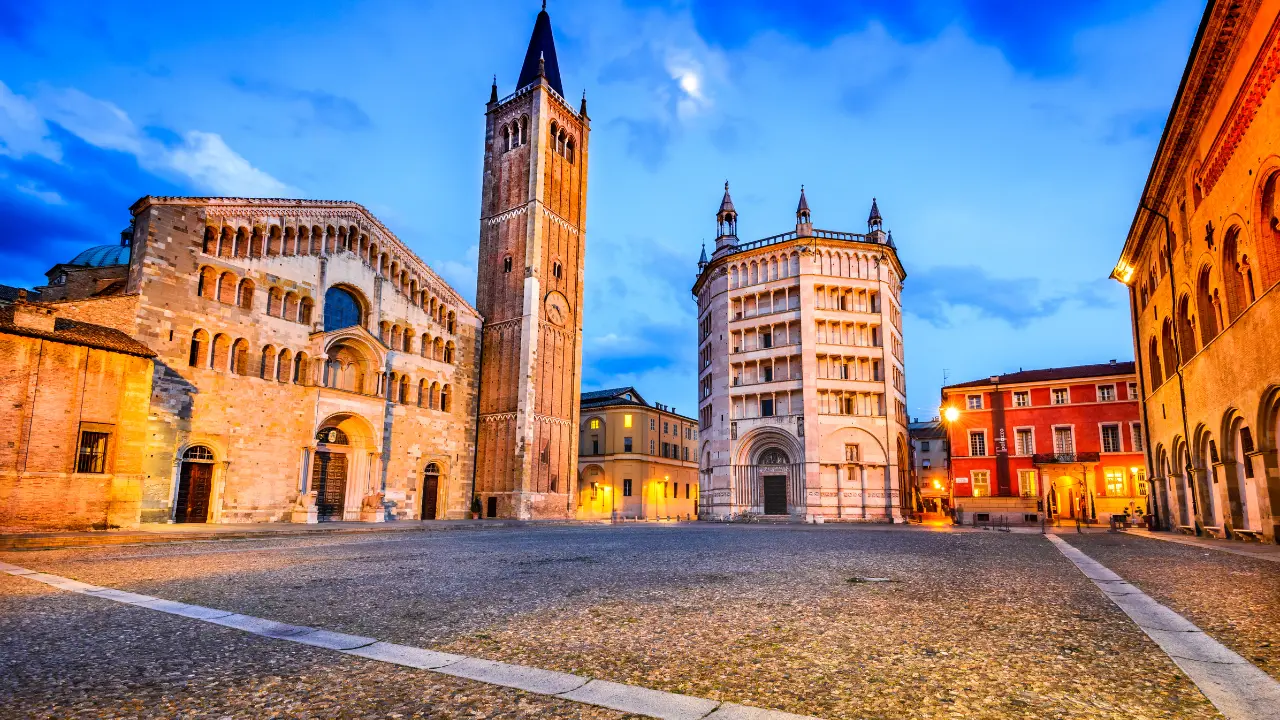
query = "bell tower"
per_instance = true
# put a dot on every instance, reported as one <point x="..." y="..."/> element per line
<point x="529" y="291"/>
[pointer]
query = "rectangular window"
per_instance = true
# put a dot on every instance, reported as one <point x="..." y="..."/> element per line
<point x="1024" y="442"/>
<point x="1110" y="438"/>
<point x="626" y="421"/>
<point x="1063" y="442"/>
<point x="1060" y="396"/>
<point x="1106" y="393"/>
<point x="973" y="402"/>
<point x="1115" y="482"/>
<point x="1027" y="483"/>
<point x="766" y="340"/>
<point x="595" y="423"/>
<point x="766" y="407"/>
<point x="977" y="443"/>
<point x="1140" y="481"/>
<point x="1133" y="391"/>
<point x="924" y="446"/>
<point x="666" y="428"/>
<point x="981" y="480"/>
<point x="1136" y="429"/>
<point x="626" y="443"/>
<point x="653" y="424"/>
<point x="92" y="457"/>
<point x="653" y="447"/>
<point x="595" y="445"/>
<point x="1022" y="398"/>
<point x="766" y="374"/>
<point x="686" y="487"/>
<point x="686" y="454"/>
<point x="626" y="486"/>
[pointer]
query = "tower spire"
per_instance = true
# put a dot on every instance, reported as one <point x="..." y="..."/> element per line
<point x="726" y="221"/>
<point x="540" y="58"/>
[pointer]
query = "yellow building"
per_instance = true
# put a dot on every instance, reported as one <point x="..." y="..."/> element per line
<point x="636" y="460"/>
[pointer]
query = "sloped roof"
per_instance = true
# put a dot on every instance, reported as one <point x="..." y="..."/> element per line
<point x="804" y="204"/>
<point x="541" y="46"/>
<point x="1073" y="372"/>
<point x="875" y="212"/>
<point x="74" y="332"/>
<point x="602" y="397"/>
<point x="726" y="204"/>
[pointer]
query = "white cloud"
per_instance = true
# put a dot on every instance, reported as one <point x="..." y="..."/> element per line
<point x="202" y="159"/>
<point x="48" y="196"/>
<point x="22" y="130"/>
<point x="207" y="160"/>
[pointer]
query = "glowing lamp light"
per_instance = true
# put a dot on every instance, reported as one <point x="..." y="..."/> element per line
<point x="951" y="414"/>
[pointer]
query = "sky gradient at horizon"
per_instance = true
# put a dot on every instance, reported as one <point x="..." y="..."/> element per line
<point x="1007" y="144"/>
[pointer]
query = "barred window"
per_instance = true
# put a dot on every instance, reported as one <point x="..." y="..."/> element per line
<point x="92" y="457"/>
<point x="977" y="443"/>
<point x="1110" y="438"/>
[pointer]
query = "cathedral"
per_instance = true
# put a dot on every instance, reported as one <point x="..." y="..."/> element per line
<point x="268" y="360"/>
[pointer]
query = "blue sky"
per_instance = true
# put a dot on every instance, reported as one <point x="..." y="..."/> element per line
<point x="1007" y="142"/>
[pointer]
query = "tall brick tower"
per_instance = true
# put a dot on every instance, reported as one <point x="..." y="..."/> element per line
<point x="529" y="290"/>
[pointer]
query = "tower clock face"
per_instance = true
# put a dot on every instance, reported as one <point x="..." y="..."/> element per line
<point x="557" y="308"/>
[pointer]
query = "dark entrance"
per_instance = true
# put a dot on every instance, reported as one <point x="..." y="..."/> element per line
<point x="195" y="484"/>
<point x="775" y="495"/>
<point x="329" y="480"/>
<point x="493" y="507"/>
<point x="430" y="491"/>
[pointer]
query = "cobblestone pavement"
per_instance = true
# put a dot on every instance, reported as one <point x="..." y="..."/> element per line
<point x="1233" y="598"/>
<point x="972" y="624"/>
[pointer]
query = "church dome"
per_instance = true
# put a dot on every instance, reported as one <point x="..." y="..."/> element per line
<point x="102" y="256"/>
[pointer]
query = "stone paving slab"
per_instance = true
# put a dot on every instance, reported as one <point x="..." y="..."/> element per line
<point x="123" y="596"/>
<point x="259" y="626"/>
<point x="731" y="711"/>
<point x="332" y="640"/>
<point x="413" y="657"/>
<point x="195" y="612"/>
<point x="543" y="682"/>
<point x="642" y="701"/>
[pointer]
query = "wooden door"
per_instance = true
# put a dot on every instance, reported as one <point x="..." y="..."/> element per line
<point x="430" y="491"/>
<point x="194" y="487"/>
<point x="329" y="480"/>
<point x="775" y="495"/>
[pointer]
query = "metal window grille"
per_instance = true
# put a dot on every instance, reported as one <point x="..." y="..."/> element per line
<point x="92" y="457"/>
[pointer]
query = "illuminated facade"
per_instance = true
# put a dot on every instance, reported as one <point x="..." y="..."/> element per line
<point x="1202" y="262"/>
<point x="637" y="461"/>
<point x="801" y="387"/>
<point x="1054" y="444"/>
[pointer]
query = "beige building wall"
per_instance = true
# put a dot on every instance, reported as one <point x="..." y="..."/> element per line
<point x="801" y="374"/>
<point x="1202" y="263"/>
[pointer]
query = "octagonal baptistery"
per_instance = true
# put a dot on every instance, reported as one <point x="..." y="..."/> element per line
<point x="310" y="365"/>
<point x="802" y="393"/>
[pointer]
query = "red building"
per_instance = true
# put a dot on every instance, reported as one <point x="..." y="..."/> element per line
<point x="1051" y="444"/>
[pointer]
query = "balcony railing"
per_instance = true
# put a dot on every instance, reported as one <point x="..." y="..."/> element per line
<point x="1064" y="458"/>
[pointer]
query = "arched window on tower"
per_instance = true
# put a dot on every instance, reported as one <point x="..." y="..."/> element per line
<point x="199" y="348"/>
<point x="506" y="264"/>
<point x="245" y="293"/>
<point x="305" y="307"/>
<point x="208" y="287"/>
<point x="446" y="398"/>
<point x="506" y="138"/>
<point x="342" y="309"/>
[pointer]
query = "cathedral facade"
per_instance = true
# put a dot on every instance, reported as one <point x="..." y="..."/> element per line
<point x="801" y="385"/>
<point x="305" y="365"/>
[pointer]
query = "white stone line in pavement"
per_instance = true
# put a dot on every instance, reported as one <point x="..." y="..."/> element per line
<point x="1235" y="686"/>
<point x="576" y="688"/>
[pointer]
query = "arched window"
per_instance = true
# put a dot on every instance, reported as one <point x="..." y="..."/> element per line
<point x="241" y="246"/>
<point x="395" y="337"/>
<point x="407" y="345"/>
<point x="289" y="245"/>
<point x="240" y="357"/>
<point x="267" y="367"/>
<point x="245" y="294"/>
<point x="290" y="306"/>
<point x="569" y="155"/>
<point x="284" y="366"/>
<point x="448" y="352"/>
<point x="1153" y="364"/>
<point x="424" y="347"/>
<point x="423" y="389"/>
<point x="1232" y="279"/>
<point x="1206" y="307"/>
<point x="300" y="368"/>
<point x="733" y="277"/>
<point x="1168" y="350"/>
<point x="437" y="350"/>
<point x="274" y="302"/>
<point x="199" y="348"/>
<point x="434" y="401"/>
<point x="506" y="138"/>
<point x="274" y="240"/>
<point x="341" y="309"/>
<point x="1186" y="329"/>
<point x="208" y="287"/>
<point x="198" y="453"/>
<point x="506" y="264"/>
<point x="446" y="398"/>
<point x="404" y="389"/>
<point x="255" y="244"/>
<point x="449" y="322"/>
<point x="226" y="241"/>
<point x="1268" y="233"/>
<point x="221" y="352"/>
<point x="227" y="288"/>
<point x="556" y="270"/>
<point x="305" y="307"/>
<point x="210" y="241"/>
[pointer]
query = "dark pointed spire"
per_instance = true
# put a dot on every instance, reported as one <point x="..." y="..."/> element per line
<point x="540" y="58"/>
<point x="726" y="205"/>
<point x="803" y="207"/>
<point x="874" y="218"/>
<point x="493" y="90"/>
<point x="702" y="261"/>
<point x="582" y="109"/>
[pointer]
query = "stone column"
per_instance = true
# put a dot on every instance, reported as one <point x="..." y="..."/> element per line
<point x="1266" y="474"/>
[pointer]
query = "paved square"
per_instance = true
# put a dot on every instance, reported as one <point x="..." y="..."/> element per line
<point x="970" y="624"/>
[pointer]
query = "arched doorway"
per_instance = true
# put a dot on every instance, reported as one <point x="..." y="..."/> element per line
<point x="430" y="491"/>
<point x="773" y="464"/>
<point x="329" y="473"/>
<point x="195" y="486"/>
